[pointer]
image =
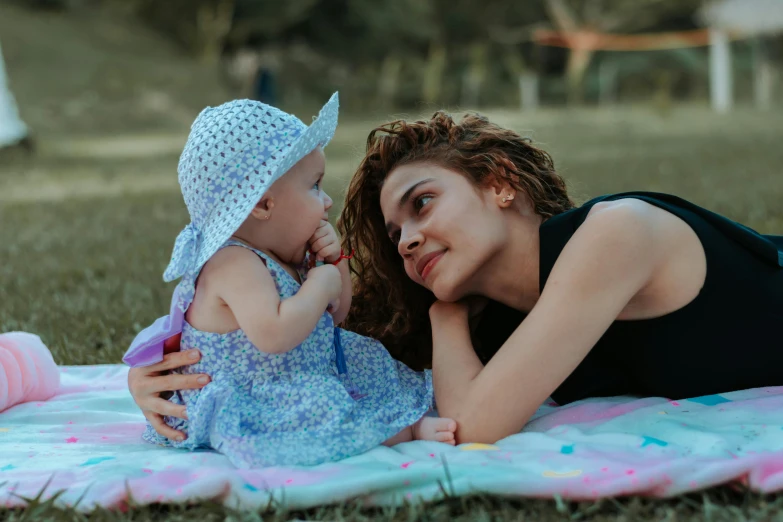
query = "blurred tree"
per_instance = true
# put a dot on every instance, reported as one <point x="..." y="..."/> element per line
<point x="268" y="20"/>
<point x="214" y="20"/>
<point x="387" y="39"/>
<point x="397" y="31"/>
<point x="49" y="5"/>
<point x="489" y="39"/>
<point x="207" y="26"/>
<point x="401" y="51"/>
<point x="579" y="18"/>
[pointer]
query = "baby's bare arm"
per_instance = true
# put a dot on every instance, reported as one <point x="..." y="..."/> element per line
<point x="244" y="283"/>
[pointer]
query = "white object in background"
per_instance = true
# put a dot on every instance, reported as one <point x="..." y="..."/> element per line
<point x="720" y="71"/>
<point x="12" y="128"/>
<point x="528" y="91"/>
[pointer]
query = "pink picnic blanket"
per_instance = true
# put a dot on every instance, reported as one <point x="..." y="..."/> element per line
<point x="86" y="440"/>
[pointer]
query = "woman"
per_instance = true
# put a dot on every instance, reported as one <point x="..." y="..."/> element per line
<point x="462" y="230"/>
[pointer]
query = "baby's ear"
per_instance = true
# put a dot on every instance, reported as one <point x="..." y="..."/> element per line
<point x="263" y="209"/>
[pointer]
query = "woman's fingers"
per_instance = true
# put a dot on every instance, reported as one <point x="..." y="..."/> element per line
<point x="174" y="381"/>
<point x="164" y="407"/>
<point x="175" y="360"/>
<point x="135" y="376"/>
<point x="163" y="429"/>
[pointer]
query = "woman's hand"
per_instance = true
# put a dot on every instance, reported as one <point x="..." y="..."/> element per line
<point x="468" y="308"/>
<point x="146" y="385"/>
<point x="441" y="311"/>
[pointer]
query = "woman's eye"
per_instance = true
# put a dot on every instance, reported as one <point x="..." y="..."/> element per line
<point x="419" y="202"/>
<point x="395" y="238"/>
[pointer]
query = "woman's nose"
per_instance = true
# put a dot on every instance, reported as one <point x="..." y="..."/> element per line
<point x="409" y="243"/>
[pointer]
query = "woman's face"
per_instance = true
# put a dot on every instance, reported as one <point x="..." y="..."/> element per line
<point x="445" y="227"/>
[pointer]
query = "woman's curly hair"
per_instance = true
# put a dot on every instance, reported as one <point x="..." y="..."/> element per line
<point x="387" y="305"/>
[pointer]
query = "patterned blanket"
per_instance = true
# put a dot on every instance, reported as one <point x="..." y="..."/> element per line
<point x="86" y="441"/>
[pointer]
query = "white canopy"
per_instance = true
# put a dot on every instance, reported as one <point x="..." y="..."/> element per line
<point x="752" y="17"/>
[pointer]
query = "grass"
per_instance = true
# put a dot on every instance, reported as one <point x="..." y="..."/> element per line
<point x="716" y="505"/>
<point x="84" y="240"/>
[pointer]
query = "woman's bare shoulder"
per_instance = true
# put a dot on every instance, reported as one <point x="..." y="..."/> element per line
<point x="617" y="226"/>
<point x="630" y="211"/>
<point x="625" y="208"/>
<point x="637" y="223"/>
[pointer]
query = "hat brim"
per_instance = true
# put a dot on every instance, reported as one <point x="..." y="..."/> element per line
<point x="318" y="134"/>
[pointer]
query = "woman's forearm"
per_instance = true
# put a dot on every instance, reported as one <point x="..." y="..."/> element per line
<point x="454" y="363"/>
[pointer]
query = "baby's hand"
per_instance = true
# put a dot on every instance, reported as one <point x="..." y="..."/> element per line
<point x="324" y="243"/>
<point x="329" y="280"/>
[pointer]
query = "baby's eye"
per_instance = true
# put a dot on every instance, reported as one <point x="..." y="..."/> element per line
<point x="317" y="185"/>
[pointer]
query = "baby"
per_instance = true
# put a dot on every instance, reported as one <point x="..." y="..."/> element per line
<point x="263" y="283"/>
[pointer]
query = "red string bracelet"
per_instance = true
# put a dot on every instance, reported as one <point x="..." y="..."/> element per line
<point x="343" y="256"/>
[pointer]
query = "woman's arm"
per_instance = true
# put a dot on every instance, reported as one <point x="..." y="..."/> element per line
<point x="610" y="258"/>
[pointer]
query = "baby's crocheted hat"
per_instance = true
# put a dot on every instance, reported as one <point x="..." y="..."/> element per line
<point x="234" y="153"/>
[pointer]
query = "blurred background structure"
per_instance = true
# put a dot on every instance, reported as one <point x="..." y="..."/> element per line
<point x="68" y="57"/>
<point x="759" y="22"/>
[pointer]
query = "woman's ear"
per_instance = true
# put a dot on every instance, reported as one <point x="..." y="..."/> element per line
<point x="502" y="192"/>
<point x="506" y="197"/>
<point x="263" y="209"/>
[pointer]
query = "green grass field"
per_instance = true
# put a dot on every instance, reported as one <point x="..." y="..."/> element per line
<point x="87" y="227"/>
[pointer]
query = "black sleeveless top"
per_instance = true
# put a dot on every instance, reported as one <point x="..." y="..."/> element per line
<point x="730" y="337"/>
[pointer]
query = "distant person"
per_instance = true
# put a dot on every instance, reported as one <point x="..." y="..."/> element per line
<point x="13" y="131"/>
<point x="266" y="86"/>
<point x="255" y="73"/>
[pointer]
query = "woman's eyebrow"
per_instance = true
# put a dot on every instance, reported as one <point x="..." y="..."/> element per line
<point x="405" y="197"/>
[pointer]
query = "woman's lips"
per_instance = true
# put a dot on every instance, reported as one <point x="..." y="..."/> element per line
<point x="427" y="263"/>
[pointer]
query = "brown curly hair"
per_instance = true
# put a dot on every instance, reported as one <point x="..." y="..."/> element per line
<point x="387" y="305"/>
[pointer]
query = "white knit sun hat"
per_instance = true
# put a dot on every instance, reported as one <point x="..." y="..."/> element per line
<point x="233" y="155"/>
